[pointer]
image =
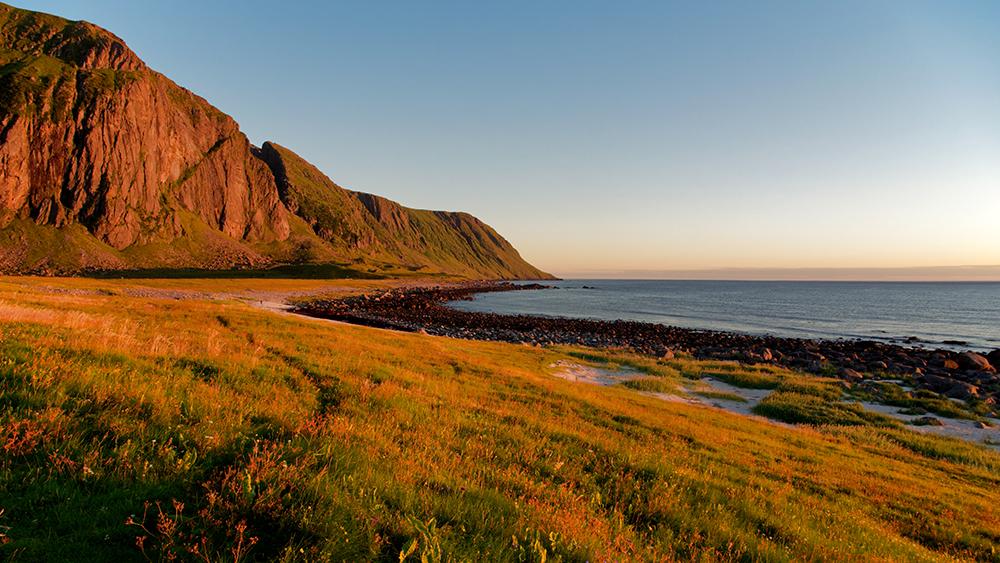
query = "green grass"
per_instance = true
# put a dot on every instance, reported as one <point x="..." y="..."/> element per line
<point x="821" y="388"/>
<point x="651" y="385"/>
<point x="796" y="408"/>
<point x="721" y="395"/>
<point x="617" y="359"/>
<point x="340" y="443"/>
<point x="746" y="379"/>
<point x="928" y="401"/>
<point x="394" y="239"/>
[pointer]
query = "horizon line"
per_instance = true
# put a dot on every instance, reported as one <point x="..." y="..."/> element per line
<point x="977" y="273"/>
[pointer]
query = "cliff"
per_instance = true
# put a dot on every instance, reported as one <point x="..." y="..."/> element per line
<point x="106" y="164"/>
<point x="359" y="225"/>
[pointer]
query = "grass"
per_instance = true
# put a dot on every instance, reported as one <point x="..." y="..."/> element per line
<point x="746" y="378"/>
<point x="721" y="395"/>
<point x="922" y="400"/>
<point x="401" y="239"/>
<point x="142" y="429"/>
<point x="651" y="385"/>
<point x="797" y="408"/>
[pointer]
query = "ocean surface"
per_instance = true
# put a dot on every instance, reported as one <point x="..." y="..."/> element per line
<point x="952" y="315"/>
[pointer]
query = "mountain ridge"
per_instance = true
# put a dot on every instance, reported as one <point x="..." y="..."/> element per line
<point x="159" y="178"/>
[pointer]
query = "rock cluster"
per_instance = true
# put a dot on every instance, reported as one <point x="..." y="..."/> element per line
<point x="956" y="375"/>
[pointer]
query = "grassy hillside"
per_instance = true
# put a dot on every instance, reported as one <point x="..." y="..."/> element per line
<point x="137" y="429"/>
<point x="39" y="72"/>
<point x="381" y="233"/>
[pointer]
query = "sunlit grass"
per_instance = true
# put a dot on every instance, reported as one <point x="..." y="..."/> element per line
<point x="721" y="395"/>
<point x="331" y="442"/>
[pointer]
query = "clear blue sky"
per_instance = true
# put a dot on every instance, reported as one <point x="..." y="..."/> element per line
<point x="614" y="137"/>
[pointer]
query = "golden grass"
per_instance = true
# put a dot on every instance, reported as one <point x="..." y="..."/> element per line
<point x="342" y="443"/>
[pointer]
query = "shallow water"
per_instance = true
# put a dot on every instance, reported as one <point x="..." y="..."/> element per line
<point x="953" y="315"/>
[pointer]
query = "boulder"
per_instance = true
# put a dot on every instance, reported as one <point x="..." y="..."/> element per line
<point x="971" y="361"/>
<point x="943" y="363"/>
<point x="938" y="384"/>
<point x="962" y="390"/>
<point x="848" y="374"/>
<point x="994" y="358"/>
<point x="664" y="354"/>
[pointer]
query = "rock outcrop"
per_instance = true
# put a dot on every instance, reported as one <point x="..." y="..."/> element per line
<point x="95" y="144"/>
<point x="90" y="135"/>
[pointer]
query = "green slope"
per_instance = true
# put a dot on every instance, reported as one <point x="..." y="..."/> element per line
<point x="373" y="229"/>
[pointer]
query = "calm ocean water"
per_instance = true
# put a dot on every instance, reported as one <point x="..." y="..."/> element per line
<point x="933" y="312"/>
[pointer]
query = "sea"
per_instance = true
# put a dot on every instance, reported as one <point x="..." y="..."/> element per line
<point x="956" y="316"/>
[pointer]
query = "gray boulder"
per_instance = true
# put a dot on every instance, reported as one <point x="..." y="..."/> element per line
<point x="962" y="390"/>
<point x="938" y="384"/>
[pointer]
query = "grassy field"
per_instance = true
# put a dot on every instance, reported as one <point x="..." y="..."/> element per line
<point x="137" y="429"/>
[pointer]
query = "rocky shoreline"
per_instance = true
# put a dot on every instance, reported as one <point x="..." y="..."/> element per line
<point x="951" y="374"/>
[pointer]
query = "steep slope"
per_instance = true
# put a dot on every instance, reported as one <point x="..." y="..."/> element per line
<point x="89" y="135"/>
<point x="106" y="164"/>
<point x="361" y="225"/>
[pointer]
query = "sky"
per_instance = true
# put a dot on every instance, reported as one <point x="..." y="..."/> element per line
<point x="762" y="139"/>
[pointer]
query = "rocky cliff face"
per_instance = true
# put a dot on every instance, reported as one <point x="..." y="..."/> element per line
<point x="92" y="138"/>
<point x="90" y="135"/>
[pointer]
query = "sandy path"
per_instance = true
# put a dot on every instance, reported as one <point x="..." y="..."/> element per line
<point x="961" y="429"/>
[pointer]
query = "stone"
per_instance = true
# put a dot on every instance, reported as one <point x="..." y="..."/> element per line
<point x="937" y="383"/>
<point x="664" y="354"/>
<point x="972" y="361"/>
<point x="994" y="358"/>
<point x="849" y="374"/>
<point x="962" y="390"/>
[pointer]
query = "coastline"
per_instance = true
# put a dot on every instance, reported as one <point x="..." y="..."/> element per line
<point x="423" y="309"/>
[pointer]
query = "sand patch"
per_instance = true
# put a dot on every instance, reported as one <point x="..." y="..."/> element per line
<point x="968" y="430"/>
<point x="579" y="373"/>
<point x="686" y="393"/>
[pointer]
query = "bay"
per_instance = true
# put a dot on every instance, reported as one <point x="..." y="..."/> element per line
<point x="950" y="315"/>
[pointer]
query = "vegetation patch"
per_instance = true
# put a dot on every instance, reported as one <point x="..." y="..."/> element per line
<point x="813" y="386"/>
<point x="721" y="396"/>
<point x="921" y="401"/>
<point x="209" y="430"/>
<point x="617" y="359"/>
<point x="796" y="408"/>
<point x="651" y="385"/>
<point x="746" y="379"/>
